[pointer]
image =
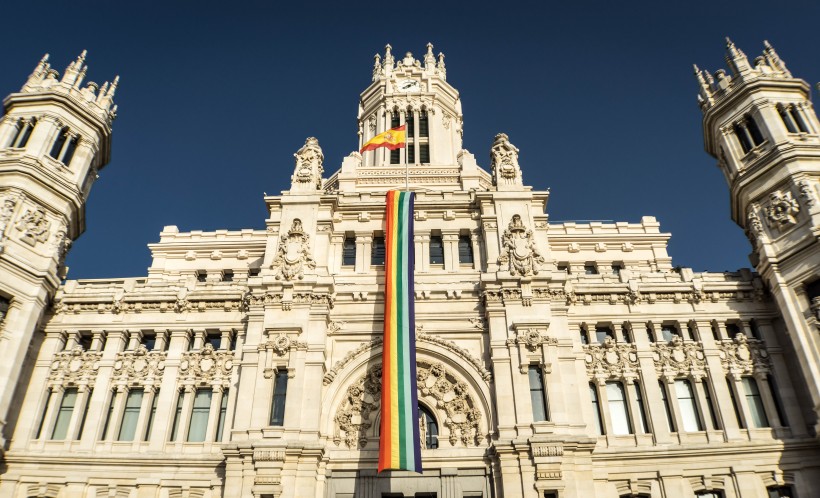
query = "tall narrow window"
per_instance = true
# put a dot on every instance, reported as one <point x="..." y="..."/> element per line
<point x="584" y="335"/>
<point x="787" y="119"/>
<point x="755" y="328"/>
<point x="754" y="130"/>
<point x="596" y="409"/>
<point x="424" y="126"/>
<point x="280" y="391"/>
<point x="778" y="403"/>
<point x="798" y="119"/>
<point x="64" y="413"/>
<point x="43" y="415"/>
<point x="650" y="333"/>
<point x="395" y="155"/>
<point x="601" y="333"/>
<point x="755" y="402"/>
<point x="715" y="331"/>
<point x="59" y="142"/>
<point x="149" y="341"/>
<point x="732" y="329"/>
<point x="781" y="492"/>
<point x="85" y="414"/>
<point x="735" y="406"/>
<point x="349" y="252"/>
<point x="84" y="340"/>
<point x="626" y="333"/>
<point x="618" y="412"/>
<point x="223" y="411"/>
<point x="743" y="137"/>
<point x="430" y="428"/>
<point x="436" y="250"/>
<point x="709" y="494"/>
<point x="670" y="420"/>
<point x="641" y="415"/>
<point x="411" y="142"/>
<point x="68" y="155"/>
<point x="177" y="416"/>
<point x="377" y="251"/>
<point x="537" y="394"/>
<point x="199" y="415"/>
<point x="465" y="250"/>
<point x="24" y="133"/>
<point x="128" y="426"/>
<point x="214" y="339"/>
<point x="688" y="406"/>
<point x="424" y="153"/>
<point x="109" y="415"/>
<point x="151" y="415"/>
<point x="668" y="332"/>
<point x="710" y="407"/>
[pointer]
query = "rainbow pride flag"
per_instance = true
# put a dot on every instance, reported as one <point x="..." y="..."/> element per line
<point x="399" y="447"/>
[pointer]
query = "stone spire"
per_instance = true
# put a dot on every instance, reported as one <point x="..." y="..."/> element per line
<point x="74" y="69"/>
<point x="774" y="60"/>
<point x="736" y="59"/>
<point x="429" y="59"/>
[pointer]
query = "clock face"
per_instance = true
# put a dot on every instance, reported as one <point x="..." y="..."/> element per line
<point x="408" y="86"/>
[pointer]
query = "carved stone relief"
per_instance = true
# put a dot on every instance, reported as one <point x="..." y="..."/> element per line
<point x="782" y="210"/>
<point x="453" y="405"/>
<point x="531" y="337"/>
<point x="518" y="249"/>
<point x="141" y="364"/>
<point x="33" y="226"/>
<point x="678" y="358"/>
<point x="206" y="365"/>
<point x="504" y="162"/>
<point x="309" y="167"/>
<point x="293" y="255"/>
<point x="75" y="367"/>
<point x="7" y="206"/>
<point x="744" y="356"/>
<point x="807" y="193"/>
<point x="611" y="360"/>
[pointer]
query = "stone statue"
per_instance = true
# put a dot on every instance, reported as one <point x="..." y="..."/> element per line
<point x="518" y="249"/>
<point x="504" y="161"/>
<point x="308" y="174"/>
<point x="34" y="226"/>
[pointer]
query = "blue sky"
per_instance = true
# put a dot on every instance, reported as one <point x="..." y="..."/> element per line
<point x="215" y="99"/>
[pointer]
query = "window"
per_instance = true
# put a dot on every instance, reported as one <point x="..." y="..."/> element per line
<point x="64" y="413"/>
<point x="709" y="494"/>
<point x="781" y="492"/>
<point x="424" y="134"/>
<point x="748" y="133"/>
<point x="70" y="148"/>
<point x="596" y="409"/>
<point x="411" y="148"/>
<point x="618" y="412"/>
<point x="710" y="407"/>
<point x="590" y="269"/>
<point x="616" y="268"/>
<point x="177" y="416"/>
<point x="214" y="339"/>
<point x="84" y="340"/>
<point x="59" y="143"/>
<point x="223" y="411"/>
<point x="668" y="332"/>
<point x="564" y="267"/>
<point x="128" y="426"/>
<point x="253" y="272"/>
<point x="601" y="333"/>
<point x="109" y="415"/>
<point x="436" y="250"/>
<point x="787" y="119"/>
<point x="151" y="415"/>
<point x="429" y="427"/>
<point x="24" y="129"/>
<point x="584" y="335"/>
<point x="670" y="421"/>
<point x="537" y="394"/>
<point x="715" y="331"/>
<point x="732" y="329"/>
<point x="43" y="416"/>
<point x="778" y="403"/>
<point x="734" y="404"/>
<point x="755" y="329"/>
<point x="201" y="276"/>
<point x="688" y="406"/>
<point x="280" y="391"/>
<point x="149" y="341"/>
<point x="349" y="252"/>
<point x="690" y="332"/>
<point x="627" y="335"/>
<point x="550" y="494"/>
<point x="227" y="275"/>
<point x="641" y="415"/>
<point x="424" y="153"/>
<point x="199" y="415"/>
<point x="395" y="155"/>
<point x="377" y="251"/>
<point x="755" y="402"/>
<point x="85" y="414"/>
<point x="650" y="332"/>
<point x="465" y="250"/>
<point x="792" y="118"/>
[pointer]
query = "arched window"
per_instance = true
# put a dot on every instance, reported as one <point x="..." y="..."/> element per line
<point x="24" y="129"/>
<point x="395" y="118"/>
<point x="428" y="428"/>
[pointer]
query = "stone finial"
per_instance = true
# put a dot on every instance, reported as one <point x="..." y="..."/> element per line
<point x="736" y="58"/>
<point x="41" y="70"/>
<point x="388" y="57"/>
<point x="774" y="60"/>
<point x="308" y="174"/>
<point x="408" y="60"/>
<point x="442" y="70"/>
<point x="705" y="86"/>
<point x="429" y="58"/>
<point x="504" y="162"/>
<point x="377" y="66"/>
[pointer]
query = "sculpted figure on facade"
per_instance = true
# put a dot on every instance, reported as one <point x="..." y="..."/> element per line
<point x="678" y="358"/>
<point x="293" y="255"/>
<point x="34" y="226"/>
<point x="807" y="193"/>
<point x="504" y="162"/>
<point x="309" y="169"/>
<point x="611" y="360"/>
<point x="782" y="209"/>
<point x="518" y="249"/>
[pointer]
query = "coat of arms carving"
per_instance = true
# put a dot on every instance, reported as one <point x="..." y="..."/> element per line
<point x="293" y="255"/>
<point x="519" y="250"/>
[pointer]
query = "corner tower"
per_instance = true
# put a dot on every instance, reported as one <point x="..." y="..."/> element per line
<point x="54" y="138"/>
<point x="759" y="123"/>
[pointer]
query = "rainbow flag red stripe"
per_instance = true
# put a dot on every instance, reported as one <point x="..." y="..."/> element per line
<point x="399" y="447"/>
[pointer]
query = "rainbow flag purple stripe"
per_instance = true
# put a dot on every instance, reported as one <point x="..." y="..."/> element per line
<point x="399" y="445"/>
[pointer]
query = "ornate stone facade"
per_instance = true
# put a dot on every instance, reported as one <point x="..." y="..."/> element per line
<point x="554" y="359"/>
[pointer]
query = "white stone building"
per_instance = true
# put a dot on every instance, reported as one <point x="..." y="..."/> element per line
<point x="565" y="360"/>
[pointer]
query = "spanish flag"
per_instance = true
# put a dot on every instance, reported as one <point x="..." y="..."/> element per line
<point x="394" y="138"/>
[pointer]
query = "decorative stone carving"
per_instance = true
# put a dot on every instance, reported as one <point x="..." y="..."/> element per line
<point x="519" y="250"/>
<point x="75" y="367"/>
<point x="309" y="169"/>
<point x="61" y="244"/>
<point x="4" y="308"/>
<point x="281" y="344"/>
<point x="34" y="226"/>
<point x="611" y="360"/>
<point x="744" y="356"/>
<point x="207" y="365"/>
<point x="574" y="247"/>
<point x="782" y="210"/>
<point x="754" y="226"/>
<point x="807" y="193"/>
<point x="335" y="326"/>
<point x="6" y="212"/>
<point x="678" y="358"/>
<point x="453" y="404"/>
<point x="293" y="255"/>
<point x="141" y="364"/>
<point x="531" y="338"/>
<point x="815" y="309"/>
<point x="504" y="162"/>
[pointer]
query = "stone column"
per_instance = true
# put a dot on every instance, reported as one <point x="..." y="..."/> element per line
<point x="113" y="429"/>
<point x="475" y="241"/>
<point x="334" y="264"/>
<point x="704" y="412"/>
<point x="740" y="398"/>
<point x="8" y="130"/>
<point x="449" y="239"/>
<point x="148" y="395"/>
<point x="54" y="400"/>
<point x="213" y="413"/>
<point x="185" y="416"/>
<point x="672" y="398"/>
<point x="634" y="410"/>
<point x="603" y="406"/>
<point x="75" y="424"/>
<point x="364" y="248"/>
<point x="768" y="400"/>
<point x="422" y="256"/>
